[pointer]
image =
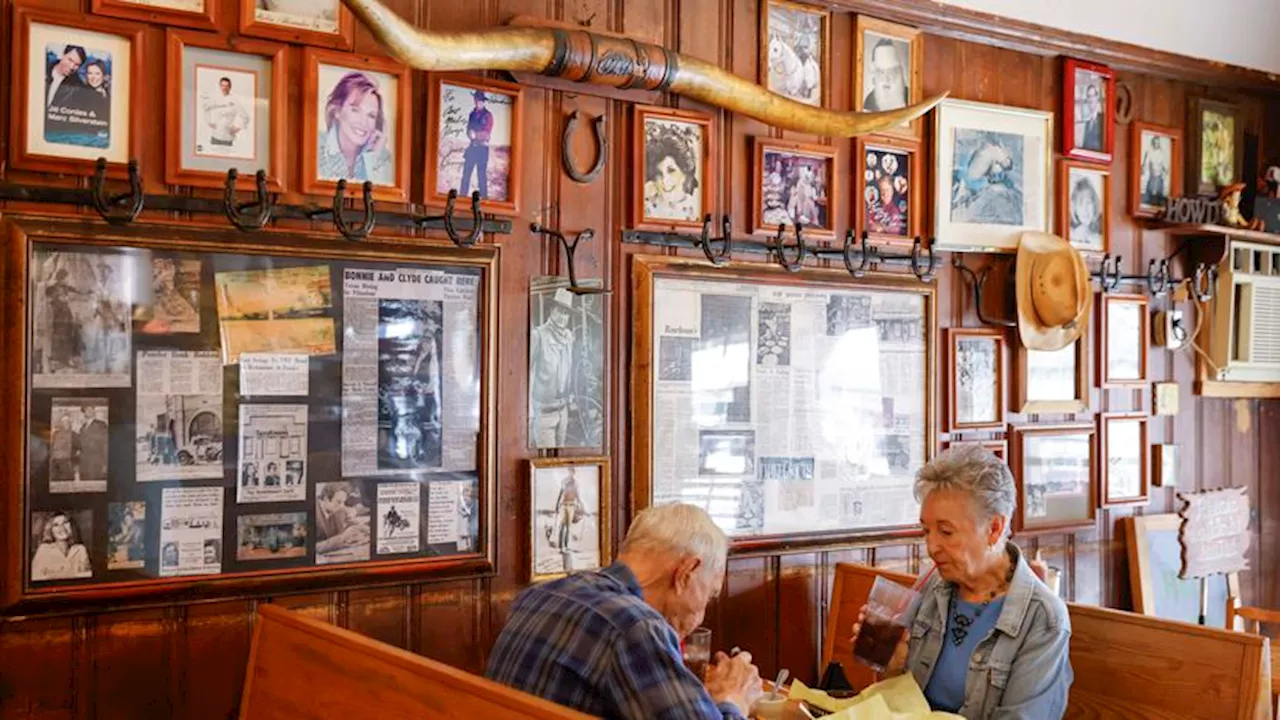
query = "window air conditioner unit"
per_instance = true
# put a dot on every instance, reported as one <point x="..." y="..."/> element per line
<point x="1245" y="335"/>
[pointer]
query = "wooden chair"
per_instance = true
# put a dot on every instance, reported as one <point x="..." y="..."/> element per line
<point x="1254" y="618"/>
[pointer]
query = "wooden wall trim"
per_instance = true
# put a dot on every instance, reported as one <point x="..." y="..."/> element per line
<point x="984" y="28"/>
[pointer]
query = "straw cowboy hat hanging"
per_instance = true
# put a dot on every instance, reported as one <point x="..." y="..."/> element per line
<point x="1053" y="292"/>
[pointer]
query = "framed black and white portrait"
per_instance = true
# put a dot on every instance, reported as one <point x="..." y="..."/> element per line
<point x="325" y="23"/>
<point x="79" y="429"/>
<point x="1155" y="168"/>
<point x="975" y="372"/>
<point x="1089" y="111"/>
<point x="887" y="70"/>
<point x="569" y="516"/>
<point x="671" y="162"/>
<point x="1123" y="448"/>
<point x="566" y="366"/>
<point x="199" y="14"/>
<point x="60" y="542"/>
<point x="795" y="51"/>
<point x="1084" y="206"/>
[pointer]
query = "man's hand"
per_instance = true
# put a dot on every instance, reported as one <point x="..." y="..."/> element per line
<point x="735" y="680"/>
<point x="898" y="663"/>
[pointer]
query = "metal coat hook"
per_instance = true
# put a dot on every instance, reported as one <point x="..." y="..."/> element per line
<point x="721" y="256"/>
<point x="602" y="149"/>
<point x="477" y="220"/>
<point x="236" y="213"/>
<point x="348" y="231"/>
<point x="977" y="281"/>
<point x="922" y="272"/>
<point x="867" y="252"/>
<point x="1157" y="276"/>
<point x="570" y="249"/>
<point x="1203" y="282"/>
<point x="779" y="248"/>
<point x="132" y="201"/>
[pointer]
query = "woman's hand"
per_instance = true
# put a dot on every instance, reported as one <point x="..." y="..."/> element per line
<point x="898" y="663"/>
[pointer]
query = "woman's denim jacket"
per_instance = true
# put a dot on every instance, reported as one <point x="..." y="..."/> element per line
<point x="1021" y="669"/>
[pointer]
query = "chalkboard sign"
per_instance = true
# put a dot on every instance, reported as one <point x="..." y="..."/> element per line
<point x="1214" y="532"/>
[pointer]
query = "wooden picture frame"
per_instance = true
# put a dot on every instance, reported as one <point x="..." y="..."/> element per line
<point x="397" y="133"/>
<point x="1199" y="180"/>
<point x="1084" y="499"/>
<point x="342" y="38"/>
<point x="865" y="60"/>
<point x="751" y="300"/>
<point x="1075" y="185"/>
<point x="1113" y="367"/>
<point x="786" y="58"/>
<point x="876" y="161"/>
<point x="223" y="256"/>
<point x="954" y="337"/>
<point x="1029" y="362"/>
<point x="999" y="448"/>
<point x="22" y="155"/>
<point x="539" y="569"/>
<point x="1152" y="571"/>
<point x="1112" y="495"/>
<point x="1079" y="140"/>
<point x="446" y="88"/>
<point x="672" y="134"/>
<point x="176" y="171"/>
<point x="1165" y="465"/>
<point x="779" y="162"/>
<point x="139" y="10"/>
<point x="1144" y="197"/>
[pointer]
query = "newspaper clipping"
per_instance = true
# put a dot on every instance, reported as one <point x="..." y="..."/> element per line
<point x="179" y="420"/>
<point x="787" y="409"/>
<point x="175" y="296"/>
<point x="273" y="453"/>
<point x="81" y="314"/>
<point x="399" y="514"/>
<point x="451" y="514"/>
<point x="126" y="535"/>
<point x="271" y="537"/>
<point x="284" y="310"/>
<point x="191" y="531"/>
<point x="411" y="371"/>
<point x="274" y="375"/>
<point x="78" y="445"/>
<point x="343" y="522"/>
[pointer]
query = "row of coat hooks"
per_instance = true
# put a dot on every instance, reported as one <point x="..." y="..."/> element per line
<point x="124" y="208"/>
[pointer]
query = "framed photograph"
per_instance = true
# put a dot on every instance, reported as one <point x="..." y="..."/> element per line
<point x="975" y="376"/>
<point x="999" y="448"/>
<point x="1053" y="382"/>
<point x="168" y="464"/>
<point x="888" y="69"/>
<point x="474" y="140"/>
<point x="1217" y="145"/>
<point x="1054" y="468"/>
<point x="672" y="171"/>
<point x="220" y="110"/>
<point x="1155" y="562"/>
<point x="795" y="51"/>
<point x="887" y="189"/>
<point x="776" y="461"/>
<point x="1123" y="330"/>
<point x="74" y="93"/>
<point x="325" y="23"/>
<point x="1164" y="465"/>
<point x="1088" y="111"/>
<point x="568" y="516"/>
<point x="1155" y="168"/>
<point x="566" y="366"/>
<point x="793" y="183"/>
<point x="992" y="175"/>
<point x="1084" y="206"/>
<point x="355" y="124"/>
<point x="198" y="14"/>
<point x="1123" y="458"/>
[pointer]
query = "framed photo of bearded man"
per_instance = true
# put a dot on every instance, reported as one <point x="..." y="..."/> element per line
<point x="888" y="70"/>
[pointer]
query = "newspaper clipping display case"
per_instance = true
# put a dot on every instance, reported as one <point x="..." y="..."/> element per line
<point x="794" y="407"/>
<point x="203" y="413"/>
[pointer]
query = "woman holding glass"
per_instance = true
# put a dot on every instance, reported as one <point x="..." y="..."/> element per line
<point x="989" y="640"/>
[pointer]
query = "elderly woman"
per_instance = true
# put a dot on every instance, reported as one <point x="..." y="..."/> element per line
<point x="989" y="640"/>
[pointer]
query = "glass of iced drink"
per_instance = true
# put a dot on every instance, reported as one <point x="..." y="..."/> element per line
<point x="890" y="610"/>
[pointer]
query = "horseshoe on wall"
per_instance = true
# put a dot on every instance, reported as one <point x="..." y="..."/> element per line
<point x="602" y="149"/>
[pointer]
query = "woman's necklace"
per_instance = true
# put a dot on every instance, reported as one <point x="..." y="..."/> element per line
<point x="960" y="623"/>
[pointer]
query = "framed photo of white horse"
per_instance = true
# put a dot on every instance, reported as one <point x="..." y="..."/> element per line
<point x="795" y="51"/>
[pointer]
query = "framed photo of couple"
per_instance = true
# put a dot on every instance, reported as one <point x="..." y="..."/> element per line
<point x="74" y="91"/>
<point x="198" y="14"/>
<point x="473" y="145"/>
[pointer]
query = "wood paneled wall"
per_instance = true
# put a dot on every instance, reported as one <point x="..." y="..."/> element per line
<point x="188" y="661"/>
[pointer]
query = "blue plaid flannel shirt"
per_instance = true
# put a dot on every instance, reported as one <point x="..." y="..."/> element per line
<point x="590" y="642"/>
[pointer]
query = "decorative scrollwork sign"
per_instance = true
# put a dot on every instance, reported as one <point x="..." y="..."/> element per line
<point x="1215" y="532"/>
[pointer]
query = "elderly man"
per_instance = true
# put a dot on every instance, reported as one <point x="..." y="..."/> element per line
<point x="608" y="642"/>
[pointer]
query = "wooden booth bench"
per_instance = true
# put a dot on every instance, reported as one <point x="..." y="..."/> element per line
<point x="304" y="669"/>
<point x="1126" y="665"/>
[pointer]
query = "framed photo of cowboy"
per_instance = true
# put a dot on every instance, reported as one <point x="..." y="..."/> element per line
<point x="888" y="189"/>
<point x="566" y="366"/>
<point x="76" y="88"/>
<point x="1055" y="472"/>
<point x="888" y="69"/>
<point x="671" y="168"/>
<point x="198" y="14"/>
<point x="568" y="516"/>
<point x="795" y="51"/>
<point x="474" y="142"/>
<point x="1084" y="206"/>
<point x="1155" y="168"/>
<point x="992" y="174"/>
<point x="1123" y="329"/>
<point x="1122" y="447"/>
<point x="1053" y="381"/>
<point x="222" y="110"/>
<point x="323" y="23"/>
<point x="793" y="184"/>
<point x="1088" y="111"/>
<point x="1217" y="145"/>
<point x="355" y="124"/>
<point x="975" y="378"/>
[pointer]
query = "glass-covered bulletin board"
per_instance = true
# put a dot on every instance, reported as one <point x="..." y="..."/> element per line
<point x="204" y="414"/>
<point x="795" y="408"/>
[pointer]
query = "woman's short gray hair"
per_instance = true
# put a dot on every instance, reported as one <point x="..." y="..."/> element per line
<point x="975" y="471"/>
<point x="679" y="529"/>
